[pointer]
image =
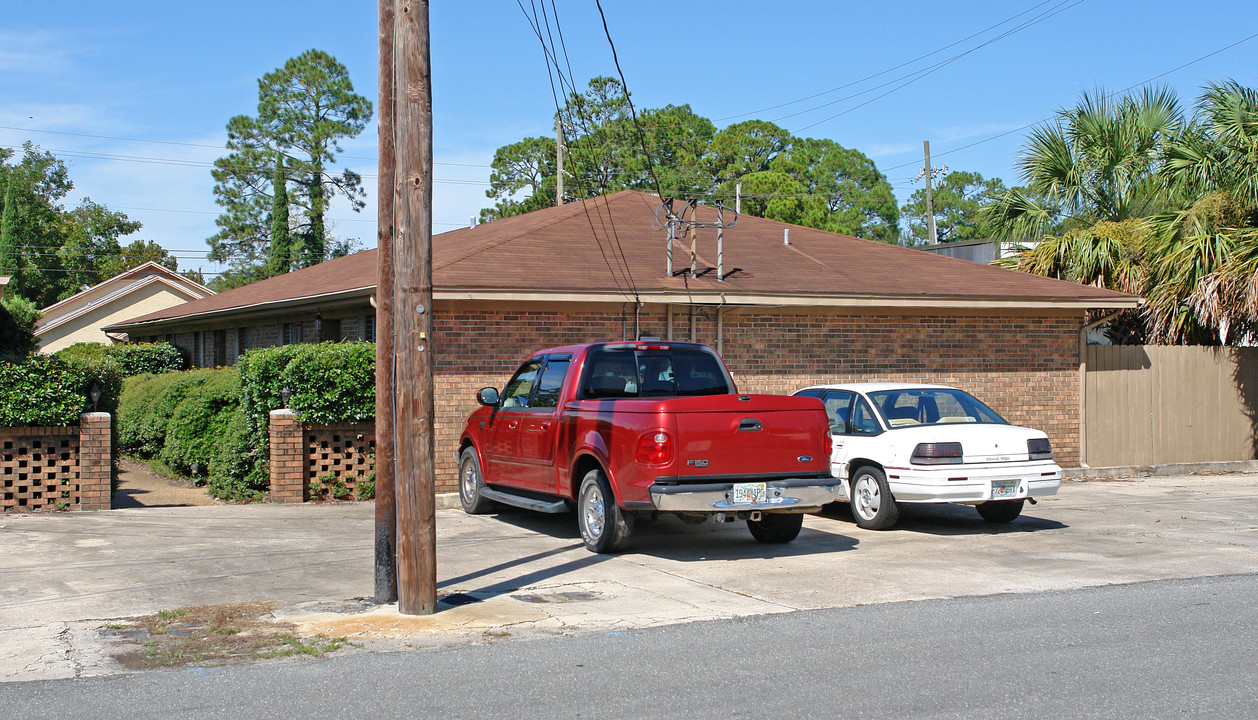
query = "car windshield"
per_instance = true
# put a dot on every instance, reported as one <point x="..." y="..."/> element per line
<point x="931" y="406"/>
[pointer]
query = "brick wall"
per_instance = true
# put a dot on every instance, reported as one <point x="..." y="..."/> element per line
<point x="56" y="468"/>
<point x="344" y="452"/>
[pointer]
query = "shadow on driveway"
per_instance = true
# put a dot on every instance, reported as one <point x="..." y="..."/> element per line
<point x="951" y="519"/>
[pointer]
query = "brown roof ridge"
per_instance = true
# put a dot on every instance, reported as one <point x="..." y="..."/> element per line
<point x="555" y="215"/>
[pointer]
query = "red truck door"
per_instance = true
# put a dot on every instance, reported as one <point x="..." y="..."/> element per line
<point x="502" y="432"/>
<point x="539" y="425"/>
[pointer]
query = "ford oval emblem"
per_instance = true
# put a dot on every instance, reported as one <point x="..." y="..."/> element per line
<point x="804" y="458"/>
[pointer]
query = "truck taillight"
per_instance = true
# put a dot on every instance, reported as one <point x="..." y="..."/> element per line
<point x="829" y="445"/>
<point x="654" y="448"/>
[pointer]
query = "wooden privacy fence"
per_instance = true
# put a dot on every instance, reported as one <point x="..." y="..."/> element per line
<point x="1153" y="404"/>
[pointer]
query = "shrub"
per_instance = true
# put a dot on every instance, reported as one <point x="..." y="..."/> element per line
<point x="232" y="462"/>
<point x="40" y="390"/>
<point x="149" y="402"/>
<point x="329" y="382"/>
<point x="201" y="420"/>
<point x="137" y="359"/>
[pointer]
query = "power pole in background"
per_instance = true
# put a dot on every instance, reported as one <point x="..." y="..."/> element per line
<point x="558" y="160"/>
<point x="386" y="514"/>
<point x="416" y="466"/>
<point x="930" y="199"/>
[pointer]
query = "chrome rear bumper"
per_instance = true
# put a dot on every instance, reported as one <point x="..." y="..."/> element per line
<point x="797" y="494"/>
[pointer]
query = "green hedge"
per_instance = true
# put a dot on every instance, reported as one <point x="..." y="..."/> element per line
<point x="40" y="390"/>
<point x="329" y="382"/>
<point x="192" y="419"/>
<point x="219" y="419"/>
<point x="148" y="403"/>
<point x="132" y="359"/>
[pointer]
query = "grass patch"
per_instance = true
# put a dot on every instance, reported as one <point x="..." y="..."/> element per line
<point x="210" y="635"/>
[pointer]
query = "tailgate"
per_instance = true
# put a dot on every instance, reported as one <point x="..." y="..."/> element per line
<point x="733" y="435"/>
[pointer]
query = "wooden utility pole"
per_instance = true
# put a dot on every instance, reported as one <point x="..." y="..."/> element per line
<point x="558" y="161"/>
<point x="930" y="201"/>
<point x="386" y="513"/>
<point x="416" y="467"/>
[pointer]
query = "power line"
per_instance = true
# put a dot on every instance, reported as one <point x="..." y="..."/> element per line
<point x="1050" y="119"/>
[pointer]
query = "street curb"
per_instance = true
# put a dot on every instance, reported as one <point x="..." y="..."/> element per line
<point x="1162" y="470"/>
<point x="448" y="501"/>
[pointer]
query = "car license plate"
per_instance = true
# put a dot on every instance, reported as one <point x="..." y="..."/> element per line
<point x="748" y="493"/>
<point x="1004" y="489"/>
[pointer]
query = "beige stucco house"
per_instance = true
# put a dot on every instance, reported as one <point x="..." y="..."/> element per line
<point x="142" y="290"/>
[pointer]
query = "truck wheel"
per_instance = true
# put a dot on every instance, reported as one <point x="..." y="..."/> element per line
<point x="470" y="484"/>
<point x="605" y="527"/>
<point x="1000" y="511"/>
<point x="776" y="527"/>
<point x="872" y="504"/>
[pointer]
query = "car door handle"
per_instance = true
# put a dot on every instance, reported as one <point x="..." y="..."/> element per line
<point x="513" y="424"/>
<point x="546" y="425"/>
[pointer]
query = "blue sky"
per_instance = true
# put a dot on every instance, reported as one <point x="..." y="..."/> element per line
<point x="134" y="96"/>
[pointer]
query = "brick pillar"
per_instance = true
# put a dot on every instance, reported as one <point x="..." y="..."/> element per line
<point x="288" y="458"/>
<point x="95" y="461"/>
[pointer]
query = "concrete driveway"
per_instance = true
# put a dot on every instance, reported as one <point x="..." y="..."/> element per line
<point x="519" y="575"/>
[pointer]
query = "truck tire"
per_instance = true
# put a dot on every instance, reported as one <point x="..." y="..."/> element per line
<point x="1000" y="511"/>
<point x="470" y="483"/>
<point x="873" y="506"/>
<point x="605" y="528"/>
<point x="776" y="527"/>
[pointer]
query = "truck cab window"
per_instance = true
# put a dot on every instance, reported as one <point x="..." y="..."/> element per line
<point x="548" y="385"/>
<point x="516" y="394"/>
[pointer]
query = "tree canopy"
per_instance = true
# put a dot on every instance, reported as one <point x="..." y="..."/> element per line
<point x="53" y="252"/>
<point x="1154" y="203"/>
<point x="305" y="109"/>
<point x="812" y="182"/>
<point x="958" y="201"/>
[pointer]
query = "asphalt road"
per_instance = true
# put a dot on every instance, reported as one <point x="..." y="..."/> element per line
<point x="1181" y="648"/>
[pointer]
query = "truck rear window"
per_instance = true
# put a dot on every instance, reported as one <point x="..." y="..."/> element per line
<point x="627" y="373"/>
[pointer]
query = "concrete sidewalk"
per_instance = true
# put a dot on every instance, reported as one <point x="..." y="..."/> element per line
<point x="527" y="575"/>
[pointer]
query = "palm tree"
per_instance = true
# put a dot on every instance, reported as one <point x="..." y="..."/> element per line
<point x="1205" y="273"/>
<point x="1097" y="161"/>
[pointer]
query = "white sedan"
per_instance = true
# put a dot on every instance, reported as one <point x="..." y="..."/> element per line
<point x="909" y="443"/>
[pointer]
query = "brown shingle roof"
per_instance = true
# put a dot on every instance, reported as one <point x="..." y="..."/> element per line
<point x="609" y="246"/>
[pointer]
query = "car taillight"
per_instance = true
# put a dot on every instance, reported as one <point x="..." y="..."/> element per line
<point x="829" y="445"/>
<point x="1039" y="449"/>
<point x="937" y="453"/>
<point x="654" y="448"/>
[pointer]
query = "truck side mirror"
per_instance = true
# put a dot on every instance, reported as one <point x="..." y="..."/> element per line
<point x="487" y="396"/>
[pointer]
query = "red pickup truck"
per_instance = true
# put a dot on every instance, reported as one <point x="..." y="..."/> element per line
<point x="627" y="428"/>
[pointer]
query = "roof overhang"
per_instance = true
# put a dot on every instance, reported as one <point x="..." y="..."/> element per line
<point x="697" y="297"/>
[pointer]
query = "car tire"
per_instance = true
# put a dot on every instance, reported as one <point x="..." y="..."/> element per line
<point x="873" y="506"/>
<point x="605" y="528"/>
<point x="471" y="481"/>
<point x="773" y="528"/>
<point x="1000" y="511"/>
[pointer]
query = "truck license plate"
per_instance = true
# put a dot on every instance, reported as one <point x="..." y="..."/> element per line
<point x="1004" y="489"/>
<point x="749" y="493"/>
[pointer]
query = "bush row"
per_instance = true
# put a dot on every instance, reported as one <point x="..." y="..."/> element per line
<point x="218" y="419"/>
<point x="132" y="359"/>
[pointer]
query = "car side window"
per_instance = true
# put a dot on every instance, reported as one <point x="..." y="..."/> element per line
<point x="863" y="420"/>
<point x="548" y="385"/>
<point x="839" y="408"/>
<point x="516" y="394"/>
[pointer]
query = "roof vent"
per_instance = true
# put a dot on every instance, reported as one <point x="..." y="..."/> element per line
<point x="786" y="236"/>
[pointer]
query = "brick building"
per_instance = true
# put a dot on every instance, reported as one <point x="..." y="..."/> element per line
<point x="790" y="306"/>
